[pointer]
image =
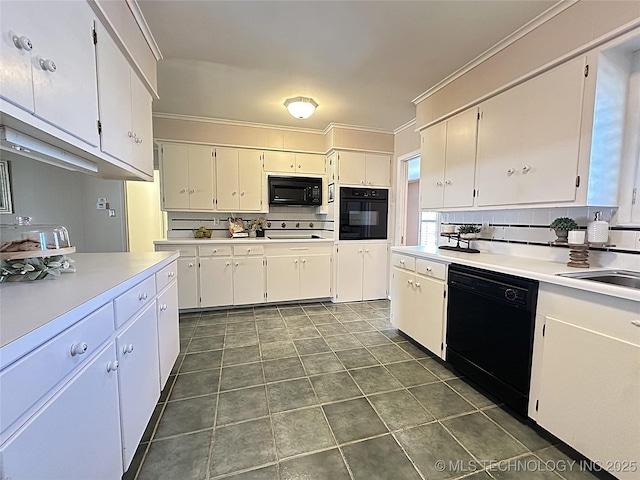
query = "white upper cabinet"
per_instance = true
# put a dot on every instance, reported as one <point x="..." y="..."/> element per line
<point x="239" y="180"/>
<point x="50" y="71"/>
<point x="289" y="162"/>
<point x="187" y="180"/>
<point x="250" y="179"/>
<point x="364" y="169"/>
<point x="125" y="107"/>
<point x="432" y="160"/>
<point x="529" y="139"/>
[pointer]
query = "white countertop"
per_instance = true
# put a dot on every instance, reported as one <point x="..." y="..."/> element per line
<point x="536" y="269"/>
<point x="239" y="241"/>
<point x="33" y="312"/>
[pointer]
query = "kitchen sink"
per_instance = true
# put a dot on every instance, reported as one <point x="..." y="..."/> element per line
<point x="624" y="278"/>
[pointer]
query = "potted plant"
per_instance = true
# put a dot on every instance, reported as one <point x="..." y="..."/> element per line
<point x="469" y="232"/>
<point x="256" y="226"/>
<point x="562" y="226"/>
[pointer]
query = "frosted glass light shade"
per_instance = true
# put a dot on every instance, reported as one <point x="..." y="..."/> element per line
<point x="300" y="107"/>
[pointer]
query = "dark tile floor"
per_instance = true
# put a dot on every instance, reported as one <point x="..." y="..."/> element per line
<point x="326" y="391"/>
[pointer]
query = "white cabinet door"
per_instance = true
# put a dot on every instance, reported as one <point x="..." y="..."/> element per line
<point x="428" y="313"/>
<point x="138" y="378"/>
<point x="552" y="115"/>
<point x="15" y="60"/>
<point x="187" y="282"/>
<point x="250" y="180"/>
<point x="352" y="167"/>
<point x="309" y="163"/>
<point x="283" y="278"/>
<point x="350" y="265"/>
<point x="375" y="273"/>
<point x="248" y="280"/>
<point x="216" y="281"/>
<point x="635" y="206"/>
<point x="227" y="180"/>
<point x="168" y="334"/>
<point x="332" y="167"/>
<point x="590" y="392"/>
<point x="175" y="177"/>
<point x="201" y="185"/>
<point x="315" y="276"/>
<point x="64" y="89"/>
<point x="402" y="297"/>
<point x="60" y="441"/>
<point x="114" y="94"/>
<point x="142" y="123"/>
<point x="281" y="162"/>
<point x="377" y="170"/>
<point x="500" y="137"/>
<point x="459" y="174"/>
<point x="432" y="164"/>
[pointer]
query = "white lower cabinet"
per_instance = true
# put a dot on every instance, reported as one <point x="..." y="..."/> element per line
<point x="291" y="277"/>
<point x="315" y="276"/>
<point x="138" y="378"/>
<point x="361" y="271"/>
<point x="418" y="305"/>
<point x="188" y="283"/>
<point x="168" y="331"/>
<point x="76" y="434"/>
<point x="216" y="281"/>
<point x="248" y="280"/>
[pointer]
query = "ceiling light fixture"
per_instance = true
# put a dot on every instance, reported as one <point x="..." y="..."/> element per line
<point x="301" y="107"/>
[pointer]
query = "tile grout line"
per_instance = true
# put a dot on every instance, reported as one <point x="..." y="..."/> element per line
<point x="215" y="416"/>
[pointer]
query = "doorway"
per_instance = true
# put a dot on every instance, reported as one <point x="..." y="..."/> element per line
<point x="412" y="230"/>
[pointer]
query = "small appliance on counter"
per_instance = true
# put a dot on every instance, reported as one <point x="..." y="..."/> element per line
<point x="33" y="252"/>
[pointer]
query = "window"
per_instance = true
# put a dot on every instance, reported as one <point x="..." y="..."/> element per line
<point x="429" y="229"/>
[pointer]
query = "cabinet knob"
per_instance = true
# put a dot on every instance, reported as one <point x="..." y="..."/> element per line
<point x="144" y="296"/>
<point x="48" y="65"/>
<point x="248" y="250"/>
<point x="183" y="190"/>
<point x="233" y="194"/>
<point x="130" y="134"/>
<point x="22" y="43"/>
<point x="138" y="140"/>
<point x="438" y="184"/>
<point x="368" y="183"/>
<point x="304" y="260"/>
<point x="171" y="274"/>
<point x="361" y="182"/>
<point x="526" y="168"/>
<point x="511" y="171"/>
<point x="191" y="265"/>
<point x="410" y="282"/>
<point x="128" y="348"/>
<point x="360" y="251"/>
<point x="227" y="264"/>
<point x="236" y="264"/>
<point x="242" y="194"/>
<point x="192" y="191"/>
<point x="79" y="348"/>
<point x="418" y="284"/>
<point x="291" y="166"/>
<point x="299" y="166"/>
<point x="401" y="262"/>
<point x="428" y="269"/>
<point x="215" y="250"/>
<point x="448" y="182"/>
<point x="366" y="250"/>
<point x="163" y="307"/>
<point x="112" y="366"/>
<point x="636" y="323"/>
<point x="295" y="261"/>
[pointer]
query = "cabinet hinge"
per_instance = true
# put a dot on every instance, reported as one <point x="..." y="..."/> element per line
<point x="586" y="70"/>
<point x="337" y="249"/>
<point x="578" y="181"/>
<point x="94" y="35"/>
<point x="265" y="294"/>
<point x="537" y="404"/>
<point x="474" y="193"/>
<point x="544" y="328"/>
<point x="444" y="294"/>
<point x="478" y="115"/>
<point x="441" y="347"/>
<point x="99" y="127"/>
<point x="329" y="289"/>
<point x="634" y="195"/>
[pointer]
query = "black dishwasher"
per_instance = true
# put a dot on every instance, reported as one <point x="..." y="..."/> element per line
<point x="490" y="325"/>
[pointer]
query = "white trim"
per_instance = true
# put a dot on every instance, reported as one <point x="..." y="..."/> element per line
<point x="106" y="23"/>
<point x="409" y="156"/>
<point x="162" y="141"/>
<point x="237" y="123"/>
<point x="527" y="28"/>
<point x="404" y="126"/>
<point x="144" y="28"/>
<point x="609" y="40"/>
<point x="356" y="127"/>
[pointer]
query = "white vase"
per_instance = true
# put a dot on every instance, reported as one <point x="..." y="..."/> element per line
<point x="252" y="234"/>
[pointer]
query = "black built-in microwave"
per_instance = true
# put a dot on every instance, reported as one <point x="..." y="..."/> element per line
<point x="295" y="191"/>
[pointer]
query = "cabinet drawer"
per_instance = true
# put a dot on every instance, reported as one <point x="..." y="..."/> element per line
<point x="248" y="250"/>
<point x="299" y="249"/>
<point x="130" y="302"/>
<point x="185" y="250"/>
<point x="28" y="380"/>
<point x="165" y="276"/>
<point x="215" y="251"/>
<point x="431" y="269"/>
<point x="404" y="261"/>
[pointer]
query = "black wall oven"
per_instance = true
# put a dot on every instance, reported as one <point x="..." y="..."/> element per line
<point x="363" y="213"/>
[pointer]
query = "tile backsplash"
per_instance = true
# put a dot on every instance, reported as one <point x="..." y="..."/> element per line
<point x="531" y="226"/>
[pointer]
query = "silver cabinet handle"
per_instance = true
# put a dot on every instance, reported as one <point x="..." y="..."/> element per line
<point x="48" y="65"/>
<point x="127" y="349"/>
<point x="511" y="171"/>
<point x="78" y="348"/>
<point x="112" y="366"/>
<point x="636" y="323"/>
<point x="526" y="168"/>
<point x="22" y="43"/>
<point x="143" y="296"/>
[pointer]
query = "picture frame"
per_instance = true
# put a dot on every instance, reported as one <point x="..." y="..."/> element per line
<point x="6" y="205"/>
<point x="331" y="192"/>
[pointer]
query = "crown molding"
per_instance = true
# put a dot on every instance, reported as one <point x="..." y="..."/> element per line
<point x="527" y="28"/>
<point x="356" y="127"/>
<point x="409" y="124"/>
<point x="144" y="28"/>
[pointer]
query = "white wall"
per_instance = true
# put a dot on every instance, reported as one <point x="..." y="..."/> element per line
<point x="52" y="195"/>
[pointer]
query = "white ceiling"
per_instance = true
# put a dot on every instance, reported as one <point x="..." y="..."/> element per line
<point x="362" y="61"/>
